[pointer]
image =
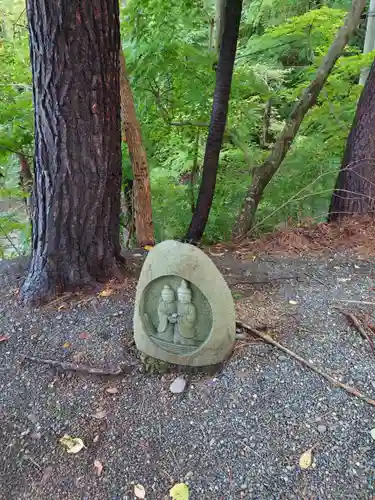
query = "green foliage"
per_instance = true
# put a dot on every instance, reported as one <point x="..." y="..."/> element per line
<point x="16" y="126"/>
<point x="172" y="73"/>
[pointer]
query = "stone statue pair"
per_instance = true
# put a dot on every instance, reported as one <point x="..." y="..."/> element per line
<point x="177" y="318"/>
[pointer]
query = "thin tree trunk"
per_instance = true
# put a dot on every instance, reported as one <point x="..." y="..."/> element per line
<point x="194" y="172"/>
<point x="369" y="44"/>
<point x="263" y="174"/>
<point x="354" y="192"/>
<point x="265" y="137"/>
<point x="76" y="200"/>
<point x="26" y="183"/>
<point x="220" y="21"/>
<point x="141" y="182"/>
<point x="219" y="112"/>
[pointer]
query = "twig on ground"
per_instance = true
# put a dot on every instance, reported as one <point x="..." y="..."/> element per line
<point x="268" y="280"/>
<point x="351" y="390"/>
<point x="313" y="277"/>
<point x="74" y="367"/>
<point x="59" y="299"/>
<point x="358" y="302"/>
<point x="355" y="322"/>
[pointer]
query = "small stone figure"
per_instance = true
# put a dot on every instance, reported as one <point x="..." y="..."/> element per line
<point x="167" y="313"/>
<point x="184" y="330"/>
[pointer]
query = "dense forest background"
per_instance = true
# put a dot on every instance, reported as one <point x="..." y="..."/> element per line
<point x="171" y="60"/>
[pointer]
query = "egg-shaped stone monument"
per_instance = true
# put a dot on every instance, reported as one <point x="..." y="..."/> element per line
<point x="184" y="310"/>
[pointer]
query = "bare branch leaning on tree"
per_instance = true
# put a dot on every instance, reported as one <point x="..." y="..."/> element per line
<point x="264" y="173"/>
<point x="351" y="390"/>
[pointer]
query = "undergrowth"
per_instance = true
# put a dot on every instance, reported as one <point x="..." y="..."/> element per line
<point x="171" y="68"/>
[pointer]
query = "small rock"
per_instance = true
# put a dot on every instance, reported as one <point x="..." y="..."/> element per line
<point x="322" y="428"/>
<point x="178" y="385"/>
<point x="33" y="418"/>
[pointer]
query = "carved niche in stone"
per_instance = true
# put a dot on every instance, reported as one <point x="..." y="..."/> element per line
<point x="176" y="315"/>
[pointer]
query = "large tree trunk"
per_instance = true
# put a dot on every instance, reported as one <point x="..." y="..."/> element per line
<point x="264" y="173"/>
<point x="76" y="201"/>
<point x="141" y="184"/>
<point x="355" y="186"/>
<point x="219" y="112"/>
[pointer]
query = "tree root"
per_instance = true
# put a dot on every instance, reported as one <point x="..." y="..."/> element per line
<point x="74" y="367"/>
<point x="351" y="390"/>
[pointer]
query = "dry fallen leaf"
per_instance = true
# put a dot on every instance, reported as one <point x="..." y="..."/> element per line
<point x="178" y="385"/>
<point x="46" y="475"/>
<point x="306" y="459"/>
<point x="72" y="445"/>
<point x="96" y="439"/>
<point x="139" y="491"/>
<point x="100" y="414"/>
<point x="106" y="292"/>
<point x="98" y="466"/>
<point x="217" y="253"/>
<point x="112" y="390"/>
<point x="4" y="337"/>
<point x="180" y="491"/>
<point x="66" y="345"/>
<point x="373" y="433"/>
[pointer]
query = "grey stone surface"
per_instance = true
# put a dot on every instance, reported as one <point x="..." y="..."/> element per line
<point x="184" y="310"/>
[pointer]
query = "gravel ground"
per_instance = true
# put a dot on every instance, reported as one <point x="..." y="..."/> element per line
<point x="237" y="434"/>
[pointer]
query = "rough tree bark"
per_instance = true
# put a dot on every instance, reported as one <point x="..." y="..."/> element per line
<point x="354" y="192"/>
<point x="76" y="200"/>
<point x="142" y="209"/>
<point x="219" y="112"/>
<point x="264" y="173"/>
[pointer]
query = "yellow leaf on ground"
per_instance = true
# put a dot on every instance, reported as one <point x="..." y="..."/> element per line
<point x="72" y="445"/>
<point x="106" y="292"/>
<point x="180" y="491"/>
<point x="66" y="345"/>
<point x="139" y="491"/>
<point x="148" y="247"/>
<point x="305" y="460"/>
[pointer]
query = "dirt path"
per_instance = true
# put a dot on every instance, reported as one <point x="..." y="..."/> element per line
<point x="237" y="434"/>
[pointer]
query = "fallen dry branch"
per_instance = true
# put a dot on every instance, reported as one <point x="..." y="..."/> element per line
<point x="363" y="302"/>
<point x="353" y="321"/>
<point x="351" y="390"/>
<point x="241" y="281"/>
<point x="74" y="367"/>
